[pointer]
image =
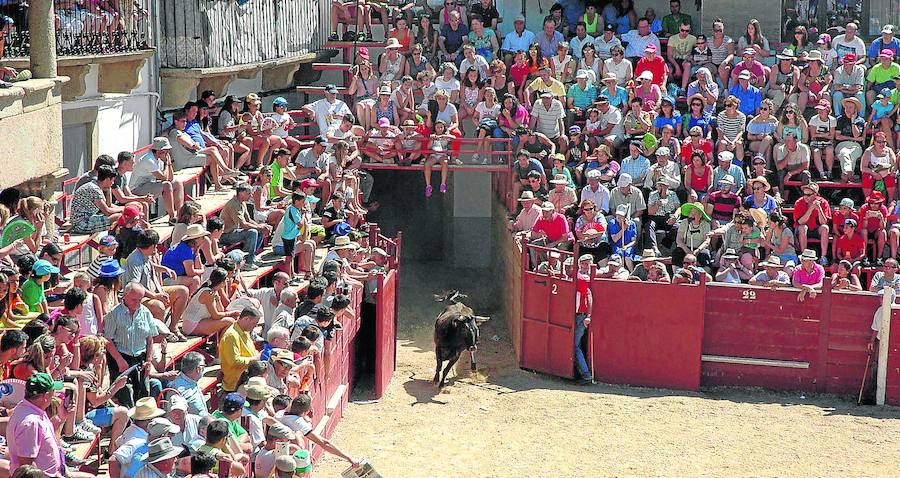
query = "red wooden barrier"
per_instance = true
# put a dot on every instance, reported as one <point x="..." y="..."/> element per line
<point x="647" y="334"/>
<point x="548" y="316"/>
<point x="892" y="385"/>
<point x="385" y="332"/>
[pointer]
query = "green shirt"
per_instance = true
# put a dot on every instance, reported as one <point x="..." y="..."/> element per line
<point x="879" y="74"/>
<point x="233" y="426"/>
<point x="671" y="24"/>
<point x="277" y="179"/>
<point x="32" y="294"/>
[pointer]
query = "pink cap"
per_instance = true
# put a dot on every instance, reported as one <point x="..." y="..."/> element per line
<point x="384" y="122"/>
<point x="886" y="53"/>
<point x="363" y="52"/>
<point x="650" y="48"/>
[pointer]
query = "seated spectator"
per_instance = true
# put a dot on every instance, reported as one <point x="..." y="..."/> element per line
<point x="706" y="88"/>
<point x="236" y="348"/>
<point x="240" y="228"/>
<point x="551" y="230"/>
<point x="562" y="196"/>
<point x="783" y="78"/>
<point x="731" y="270"/>
<point x="722" y="202"/>
<point x="191" y="370"/>
<point x="791" y="159"/>
<point x="90" y="211"/>
<point x="809" y="276"/>
<point x="153" y="175"/>
<point x="205" y="313"/>
<point x="772" y="275"/>
<point x="698" y="176"/>
<point x="187" y="153"/>
<point x="873" y="222"/>
<point x="730" y="125"/>
<point x="844" y="278"/>
<point x="528" y="215"/>
<point x="812" y="214"/>
<point x="759" y="197"/>
<point x="849" y="80"/>
<point x="679" y="51"/>
<point x="879" y="164"/>
<point x="850" y="135"/>
<point x="32" y="290"/>
<point x="184" y="259"/>
<point x="886" y="277"/>
<point x="882" y="76"/>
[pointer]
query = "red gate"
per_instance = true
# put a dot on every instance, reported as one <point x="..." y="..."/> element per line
<point x="385" y="331"/>
<point x="647" y="334"/>
<point x="548" y="313"/>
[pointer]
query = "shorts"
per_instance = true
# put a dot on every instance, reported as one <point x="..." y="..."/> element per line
<point x="149" y="187"/>
<point x="868" y="181"/>
<point x="94" y="223"/>
<point x="821" y="144"/>
<point x="316" y="230"/>
<point x="100" y="417"/>
<point x="288" y="247"/>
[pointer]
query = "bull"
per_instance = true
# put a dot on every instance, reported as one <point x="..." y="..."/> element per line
<point x="455" y="330"/>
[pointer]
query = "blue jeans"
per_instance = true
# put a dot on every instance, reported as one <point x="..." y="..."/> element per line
<point x="249" y="237"/>
<point x="580" y="362"/>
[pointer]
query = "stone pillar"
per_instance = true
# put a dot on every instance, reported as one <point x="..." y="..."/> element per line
<point x="471" y="227"/>
<point x="41" y="25"/>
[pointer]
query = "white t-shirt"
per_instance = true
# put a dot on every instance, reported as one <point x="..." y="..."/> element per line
<point x="479" y="63"/>
<point x="328" y="114"/>
<point x="823" y="126"/>
<point x="144" y="168"/>
<point x="841" y="46"/>
<point x="295" y="423"/>
<point x="449" y="86"/>
<point x="281" y="120"/>
<point x="613" y="116"/>
<point x="485" y="112"/>
<point x="547" y="119"/>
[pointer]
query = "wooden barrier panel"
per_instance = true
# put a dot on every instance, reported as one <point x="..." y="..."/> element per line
<point x="892" y="384"/>
<point x="647" y="334"/>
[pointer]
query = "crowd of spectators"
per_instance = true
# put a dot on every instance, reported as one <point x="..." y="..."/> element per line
<point x="89" y="349"/>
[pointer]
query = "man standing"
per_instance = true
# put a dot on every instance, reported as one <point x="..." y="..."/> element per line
<point x="240" y="228"/>
<point x="236" y="349"/>
<point x="130" y="329"/>
<point x="328" y="111"/>
<point x="583" y="304"/>
<point x="672" y="22"/>
<point x="154" y="174"/>
<point x="31" y="432"/>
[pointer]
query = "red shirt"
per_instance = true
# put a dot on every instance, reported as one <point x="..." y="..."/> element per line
<point x="657" y="67"/>
<point x="872" y="224"/>
<point x="801" y="206"/>
<point x="556" y="228"/>
<point x="519" y="73"/>
<point x="838" y="219"/>
<point x="581" y="293"/>
<point x="850" y="248"/>
<point x="688" y="149"/>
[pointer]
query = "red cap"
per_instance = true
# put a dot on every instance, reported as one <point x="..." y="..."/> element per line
<point x="876" y="196"/>
<point x="849" y="58"/>
<point x="132" y="211"/>
<point x="308" y="183"/>
<point x="363" y="52"/>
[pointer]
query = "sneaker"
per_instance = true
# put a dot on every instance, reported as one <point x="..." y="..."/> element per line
<point x="5" y="84"/>
<point x="428" y="191"/>
<point x="89" y="427"/>
<point x="823" y="261"/>
<point x="80" y="436"/>
<point x="72" y="460"/>
<point x="443" y="188"/>
<point x="334" y="36"/>
<point x="457" y="162"/>
<point x="361" y="36"/>
<point x="486" y="160"/>
<point x="475" y="157"/>
<point x="249" y="267"/>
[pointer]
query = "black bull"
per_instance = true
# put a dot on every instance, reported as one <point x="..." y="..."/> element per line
<point x="455" y="330"/>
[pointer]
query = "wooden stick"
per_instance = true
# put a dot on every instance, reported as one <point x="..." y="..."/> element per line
<point x="591" y="350"/>
<point x="862" y="386"/>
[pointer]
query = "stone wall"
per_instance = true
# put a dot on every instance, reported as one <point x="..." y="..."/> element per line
<point x="31" y="133"/>
<point x="507" y="268"/>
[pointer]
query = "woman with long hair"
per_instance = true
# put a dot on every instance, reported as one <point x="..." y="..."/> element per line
<point x="439" y="145"/>
<point x="536" y="59"/>
<point x="779" y="239"/>
<point x="228" y="130"/>
<point x="698" y="176"/>
<point x="800" y="41"/>
<point x="561" y="64"/>
<point x="591" y="63"/>
<point x="512" y="116"/>
<point x="364" y="89"/>
<point x="471" y="95"/>
<point x="205" y="313"/>
<point x="761" y="130"/>
<point x="486" y="114"/>
<point x="426" y="38"/>
<point x="722" y="47"/>
<point x="754" y="39"/>
<point x="792" y="123"/>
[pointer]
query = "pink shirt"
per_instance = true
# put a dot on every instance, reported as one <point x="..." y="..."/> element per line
<point x="30" y="434"/>
<point x="556" y="228"/>
<point x="809" y="278"/>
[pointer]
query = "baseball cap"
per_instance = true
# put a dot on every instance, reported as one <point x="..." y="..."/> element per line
<point x="177" y="402"/>
<point x="132" y="211"/>
<point x="744" y="75"/>
<point x="650" y="48"/>
<point x="108" y="240"/>
<point x="252" y="98"/>
<point x="280" y="431"/>
<point x="384" y="122"/>
<point x="40" y="382"/>
<point x="309" y="183"/>
<point x="624" y="180"/>
<point x="850" y="222"/>
<point x="43" y="267"/>
<point x="849" y="58"/>
<point x="330" y="88"/>
<point x="887" y="29"/>
<point x="519" y="18"/>
<point x="609" y="27"/>
<point x="847" y="202"/>
<point x="280" y="101"/>
<point x="886" y="53"/>
<point x="749" y="51"/>
<point x="574" y="129"/>
<point x="233" y="402"/>
<point x="322" y="140"/>
<point x="545" y="94"/>
<point x="662" y="151"/>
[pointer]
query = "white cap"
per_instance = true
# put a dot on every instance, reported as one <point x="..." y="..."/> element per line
<point x="624" y="180"/>
<point x="744" y="75"/>
<point x="663" y="151"/>
<point x="726" y="156"/>
<point x="646" y="75"/>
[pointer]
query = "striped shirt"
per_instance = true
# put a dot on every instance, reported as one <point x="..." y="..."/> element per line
<point x="129" y="332"/>
<point x="732" y="127"/>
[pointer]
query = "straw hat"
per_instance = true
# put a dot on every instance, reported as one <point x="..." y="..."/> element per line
<point x="808" y="255"/>
<point x="145" y="409"/>
<point x="854" y="100"/>
<point x="194" y="231"/>
<point x="761" y="180"/>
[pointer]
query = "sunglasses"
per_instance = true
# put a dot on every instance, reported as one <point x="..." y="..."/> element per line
<point x="729" y="105"/>
<point x="700" y="43"/>
<point x="589" y="209"/>
<point x="808" y="194"/>
<point x="880" y="141"/>
<point x="759" y="164"/>
<point x="695" y="135"/>
<point x="764" y="108"/>
<point x="718" y="30"/>
<point x="615" y="53"/>
<point x="684" y="31"/>
<point x="789" y="111"/>
<point x="696" y="104"/>
<point x="758" y="189"/>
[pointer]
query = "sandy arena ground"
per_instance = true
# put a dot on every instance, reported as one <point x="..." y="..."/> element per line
<point x="506" y="422"/>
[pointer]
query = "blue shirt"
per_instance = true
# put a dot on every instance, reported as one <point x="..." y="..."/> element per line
<point x="878" y="45"/>
<point x="548" y="45"/>
<point x="674" y="121"/>
<point x="533" y="165"/>
<point x="735" y="171"/>
<point x="193" y="129"/>
<point x="174" y="258"/>
<point x="617" y="99"/>
<point x="636" y="167"/>
<point x="768" y="205"/>
<point x="750" y="99"/>
<point x="582" y="99"/>
<point x="705" y="122"/>
<point x="514" y="42"/>
<point x="292" y="217"/>
<point x="191" y="393"/>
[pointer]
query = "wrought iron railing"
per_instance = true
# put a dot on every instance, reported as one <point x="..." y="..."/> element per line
<point x="216" y="33"/>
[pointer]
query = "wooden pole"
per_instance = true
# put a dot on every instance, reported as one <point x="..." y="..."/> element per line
<point x="884" y="340"/>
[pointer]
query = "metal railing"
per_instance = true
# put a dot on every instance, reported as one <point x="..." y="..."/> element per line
<point x="217" y="33"/>
<point x="83" y="27"/>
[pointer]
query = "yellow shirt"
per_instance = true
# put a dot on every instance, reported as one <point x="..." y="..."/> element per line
<point x="682" y="47"/>
<point x="236" y="351"/>
<point x="556" y="87"/>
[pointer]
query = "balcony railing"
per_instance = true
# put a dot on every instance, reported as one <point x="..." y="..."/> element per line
<point x="218" y="33"/>
<point x="83" y="27"/>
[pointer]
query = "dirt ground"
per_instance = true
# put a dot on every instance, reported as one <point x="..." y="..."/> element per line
<point x="506" y="422"/>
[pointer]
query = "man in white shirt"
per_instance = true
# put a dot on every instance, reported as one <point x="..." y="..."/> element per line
<point x="548" y="117"/>
<point x="603" y="44"/>
<point x="639" y="39"/>
<point x="327" y="111"/>
<point x="612" y="128"/>
<point x="664" y="170"/>
<point x="595" y="191"/>
<point x="850" y="43"/>
<point x="269" y="297"/>
<point x="153" y="173"/>
<point x="580" y="39"/>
